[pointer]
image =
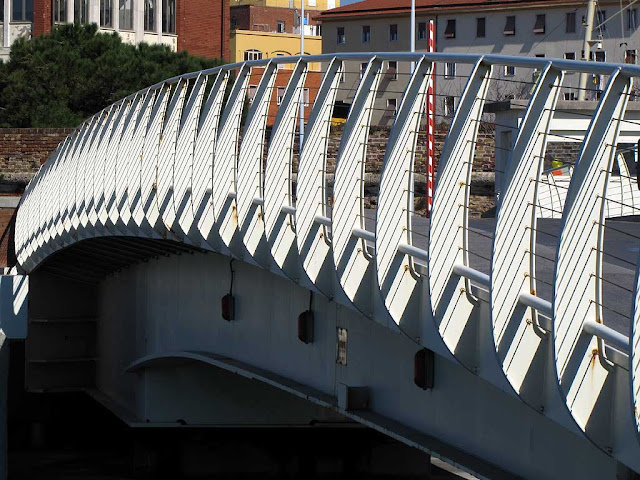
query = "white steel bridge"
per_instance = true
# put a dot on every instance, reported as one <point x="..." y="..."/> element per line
<point x="131" y="223"/>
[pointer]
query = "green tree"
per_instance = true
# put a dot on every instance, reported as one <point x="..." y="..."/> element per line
<point x="59" y="79"/>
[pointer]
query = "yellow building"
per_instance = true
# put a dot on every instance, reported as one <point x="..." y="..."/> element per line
<point x="253" y="45"/>
<point x="309" y="4"/>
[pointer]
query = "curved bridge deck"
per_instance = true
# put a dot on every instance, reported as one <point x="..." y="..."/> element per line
<point x="507" y="345"/>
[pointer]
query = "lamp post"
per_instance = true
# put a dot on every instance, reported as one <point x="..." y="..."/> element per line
<point x="586" y="47"/>
<point x="413" y="31"/>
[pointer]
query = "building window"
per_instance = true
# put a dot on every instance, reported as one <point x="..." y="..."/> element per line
<point x="632" y="19"/>
<point x="366" y="34"/>
<point x="341" y="39"/>
<point x="422" y="31"/>
<point x="450" y="31"/>
<point x="449" y="105"/>
<point x="541" y="24"/>
<point x="630" y="56"/>
<point x="280" y="28"/>
<point x="22" y="10"/>
<point x="509" y="71"/>
<point x="600" y="56"/>
<point x="570" y="55"/>
<point x="392" y="70"/>
<point x="251" y="92"/>
<point x="392" y="105"/>
<point x="481" y="26"/>
<point x="363" y="68"/>
<point x="150" y="15"/>
<point x="570" y="96"/>
<point x="59" y="12"/>
<point x="252" y="55"/>
<point x="105" y="13"/>
<point x="602" y="17"/>
<point x="125" y="12"/>
<point x="280" y="95"/>
<point x="393" y="32"/>
<point x="510" y="25"/>
<point x="570" y="22"/>
<point x="449" y="70"/>
<point x="168" y="16"/>
<point x="81" y="11"/>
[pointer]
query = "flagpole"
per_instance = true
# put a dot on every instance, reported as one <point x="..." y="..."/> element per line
<point x="413" y="31"/>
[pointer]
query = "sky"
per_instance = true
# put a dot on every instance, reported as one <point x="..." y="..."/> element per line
<point x="346" y="2"/>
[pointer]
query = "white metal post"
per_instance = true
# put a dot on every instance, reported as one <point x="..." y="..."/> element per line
<point x="138" y="21"/>
<point x="70" y="11"/>
<point x="6" y="25"/>
<point x="158" y="13"/>
<point x="115" y="15"/>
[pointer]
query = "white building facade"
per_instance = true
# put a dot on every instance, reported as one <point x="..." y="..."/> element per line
<point x="150" y="21"/>
<point x="550" y="28"/>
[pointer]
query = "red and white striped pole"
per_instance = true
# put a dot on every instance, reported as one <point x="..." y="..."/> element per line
<point x="431" y="118"/>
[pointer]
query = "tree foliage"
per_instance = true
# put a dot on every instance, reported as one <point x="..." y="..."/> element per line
<point x="59" y="79"/>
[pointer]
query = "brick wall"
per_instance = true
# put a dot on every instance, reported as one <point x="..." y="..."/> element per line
<point x="41" y="17"/>
<point x="484" y="160"/>
<point x="264" y="19"/>
<point x="203" y="27"/>
<point x="312" y="82"/>
<point x="23" y="150"/>
<point x="564" y="151"/>
<point x="7" y="246"/>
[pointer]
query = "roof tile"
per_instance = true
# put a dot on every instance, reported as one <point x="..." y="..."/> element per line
<point x="391" y="7"/>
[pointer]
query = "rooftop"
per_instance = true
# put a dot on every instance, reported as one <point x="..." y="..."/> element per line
<point x="399" y="7"/>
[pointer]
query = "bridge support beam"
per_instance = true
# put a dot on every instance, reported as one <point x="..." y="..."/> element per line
<point x="461" y="420"/>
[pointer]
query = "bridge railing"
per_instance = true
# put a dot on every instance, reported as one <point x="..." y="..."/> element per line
<point x="218" y="160"/>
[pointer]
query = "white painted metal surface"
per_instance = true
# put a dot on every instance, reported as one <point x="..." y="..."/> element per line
<point x="451" y="299"/>
<point x="517" y="333"/>
<point x="314" y="237"/>
<point x="399" y="283"/>
<point x="582" y="369"/>
<point x="279" y="205"/>
<point x="166" y="163"/>
<point x="352" y="260"/>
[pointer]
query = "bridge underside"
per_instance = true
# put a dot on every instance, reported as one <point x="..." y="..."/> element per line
<point x="147" y="337"/>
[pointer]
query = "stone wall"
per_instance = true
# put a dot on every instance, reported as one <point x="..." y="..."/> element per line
<point x="564" y="151"/>
<point x="22" y="151"/>
<point x="484" y="160"/>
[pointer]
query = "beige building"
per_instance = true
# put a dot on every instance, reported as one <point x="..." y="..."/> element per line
<point x="309" y="4"/>
<point x="253" y="45"/>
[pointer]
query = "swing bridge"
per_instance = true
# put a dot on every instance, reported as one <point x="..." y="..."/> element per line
<point x="186" y="249"/>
